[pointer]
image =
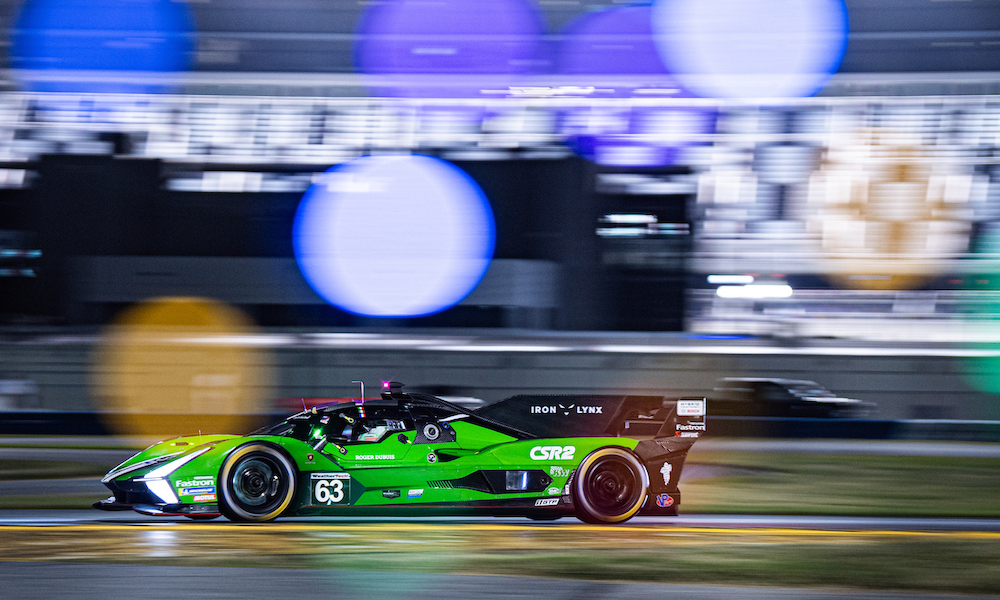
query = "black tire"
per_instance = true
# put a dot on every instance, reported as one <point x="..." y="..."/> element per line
<point x="609" y="487"/>
<point x="256" y="483"/>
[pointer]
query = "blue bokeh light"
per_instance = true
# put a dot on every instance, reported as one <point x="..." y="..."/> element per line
<point x="751" y="48"/>
<point x="101" y="45"/>
<point x="394" y="236"/>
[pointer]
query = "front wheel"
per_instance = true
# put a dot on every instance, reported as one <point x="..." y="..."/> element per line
<point x="257" y="483"/>
<point x="610" y="486"/>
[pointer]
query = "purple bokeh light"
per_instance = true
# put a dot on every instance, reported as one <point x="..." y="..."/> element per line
<point x="635" y="137"/>
<point x="614" y="51"/>
<point x="448" y="48"/>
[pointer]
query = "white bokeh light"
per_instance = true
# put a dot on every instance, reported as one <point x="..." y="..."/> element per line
<point x="751" y="48"/>
<point x="394" y="236"/>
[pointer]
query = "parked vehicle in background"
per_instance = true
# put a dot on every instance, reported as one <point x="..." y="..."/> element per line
<point x="776" y="397"/>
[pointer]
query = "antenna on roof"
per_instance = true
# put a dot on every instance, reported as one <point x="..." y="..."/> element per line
<point x="362" y="388"/>
<point x="303" y="404"/>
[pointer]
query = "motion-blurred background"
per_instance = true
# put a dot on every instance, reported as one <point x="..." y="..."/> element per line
<point x="212" y="209"/>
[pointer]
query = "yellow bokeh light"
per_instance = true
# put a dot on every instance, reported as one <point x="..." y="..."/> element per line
<point x="176" y="366"/>
<point x="889" y="210"/>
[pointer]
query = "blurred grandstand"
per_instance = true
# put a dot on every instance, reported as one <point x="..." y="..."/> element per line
<point x="622" y="203"/>
<point x="111" y="199"/>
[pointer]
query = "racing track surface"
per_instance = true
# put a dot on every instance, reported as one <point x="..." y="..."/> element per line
<point x="101" y="582"/>
<point x="93" y="555"/>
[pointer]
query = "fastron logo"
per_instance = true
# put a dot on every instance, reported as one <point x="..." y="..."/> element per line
<point x="201" y="480"/>
<point x="567" y="410"/>
<point x="690" y="427"/>
<point x="553" y="452"/>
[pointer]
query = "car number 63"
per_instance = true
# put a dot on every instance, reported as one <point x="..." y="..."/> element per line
<point x="331" y="488"/>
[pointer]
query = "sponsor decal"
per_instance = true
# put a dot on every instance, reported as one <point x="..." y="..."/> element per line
<point x="331" y="476"/>
<point x="547" y="502"/>
<point x="432" y="458"/>
<point x="664" y="500"/>
<point x="558" y="471"/>
<point x="204" y="498"/>
<point x="209" y="489"/>
<point x="665" y="470"/>
<point x="553" y="491"/>
<point x="331" y="488"/>
<point x="369" y="436"/>
<point x="552" y="409"/>
<point x="199" y="481"/>
<point x="552" y="452"/>
<point x="693" y="434"/>
<point x="325" y="420"/>
<point x="411" y="494"/>
<point x="374" y="457"/>
<point x="690" y="427"/>
<point x="391" y="494"/>
<point x="690" y="408"/>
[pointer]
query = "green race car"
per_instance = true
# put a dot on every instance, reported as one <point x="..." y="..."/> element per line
<point x="603" y="458"/>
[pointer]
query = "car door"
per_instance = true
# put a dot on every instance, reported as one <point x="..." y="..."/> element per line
<point x="389" y="452"/>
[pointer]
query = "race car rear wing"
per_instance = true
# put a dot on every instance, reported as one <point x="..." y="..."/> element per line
<point x="600" y="415"/>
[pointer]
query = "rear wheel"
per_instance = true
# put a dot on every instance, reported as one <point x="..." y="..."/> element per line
<point x="257" y="483"/>
<point x="609" y="487"/>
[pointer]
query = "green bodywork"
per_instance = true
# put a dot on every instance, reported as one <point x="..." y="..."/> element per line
<point x="603" y="458"/>
<point x="385" y="472"/>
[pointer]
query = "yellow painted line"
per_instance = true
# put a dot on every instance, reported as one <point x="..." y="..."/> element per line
<point x="541" y="530"/>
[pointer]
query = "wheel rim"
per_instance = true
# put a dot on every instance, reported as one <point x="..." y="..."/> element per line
<point x="612" y="486"/>
<point x="257" y="484"/>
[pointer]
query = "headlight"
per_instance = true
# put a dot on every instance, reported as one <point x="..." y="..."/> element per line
<point x="120" y="470"/>
<point x="157" y="482"/>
